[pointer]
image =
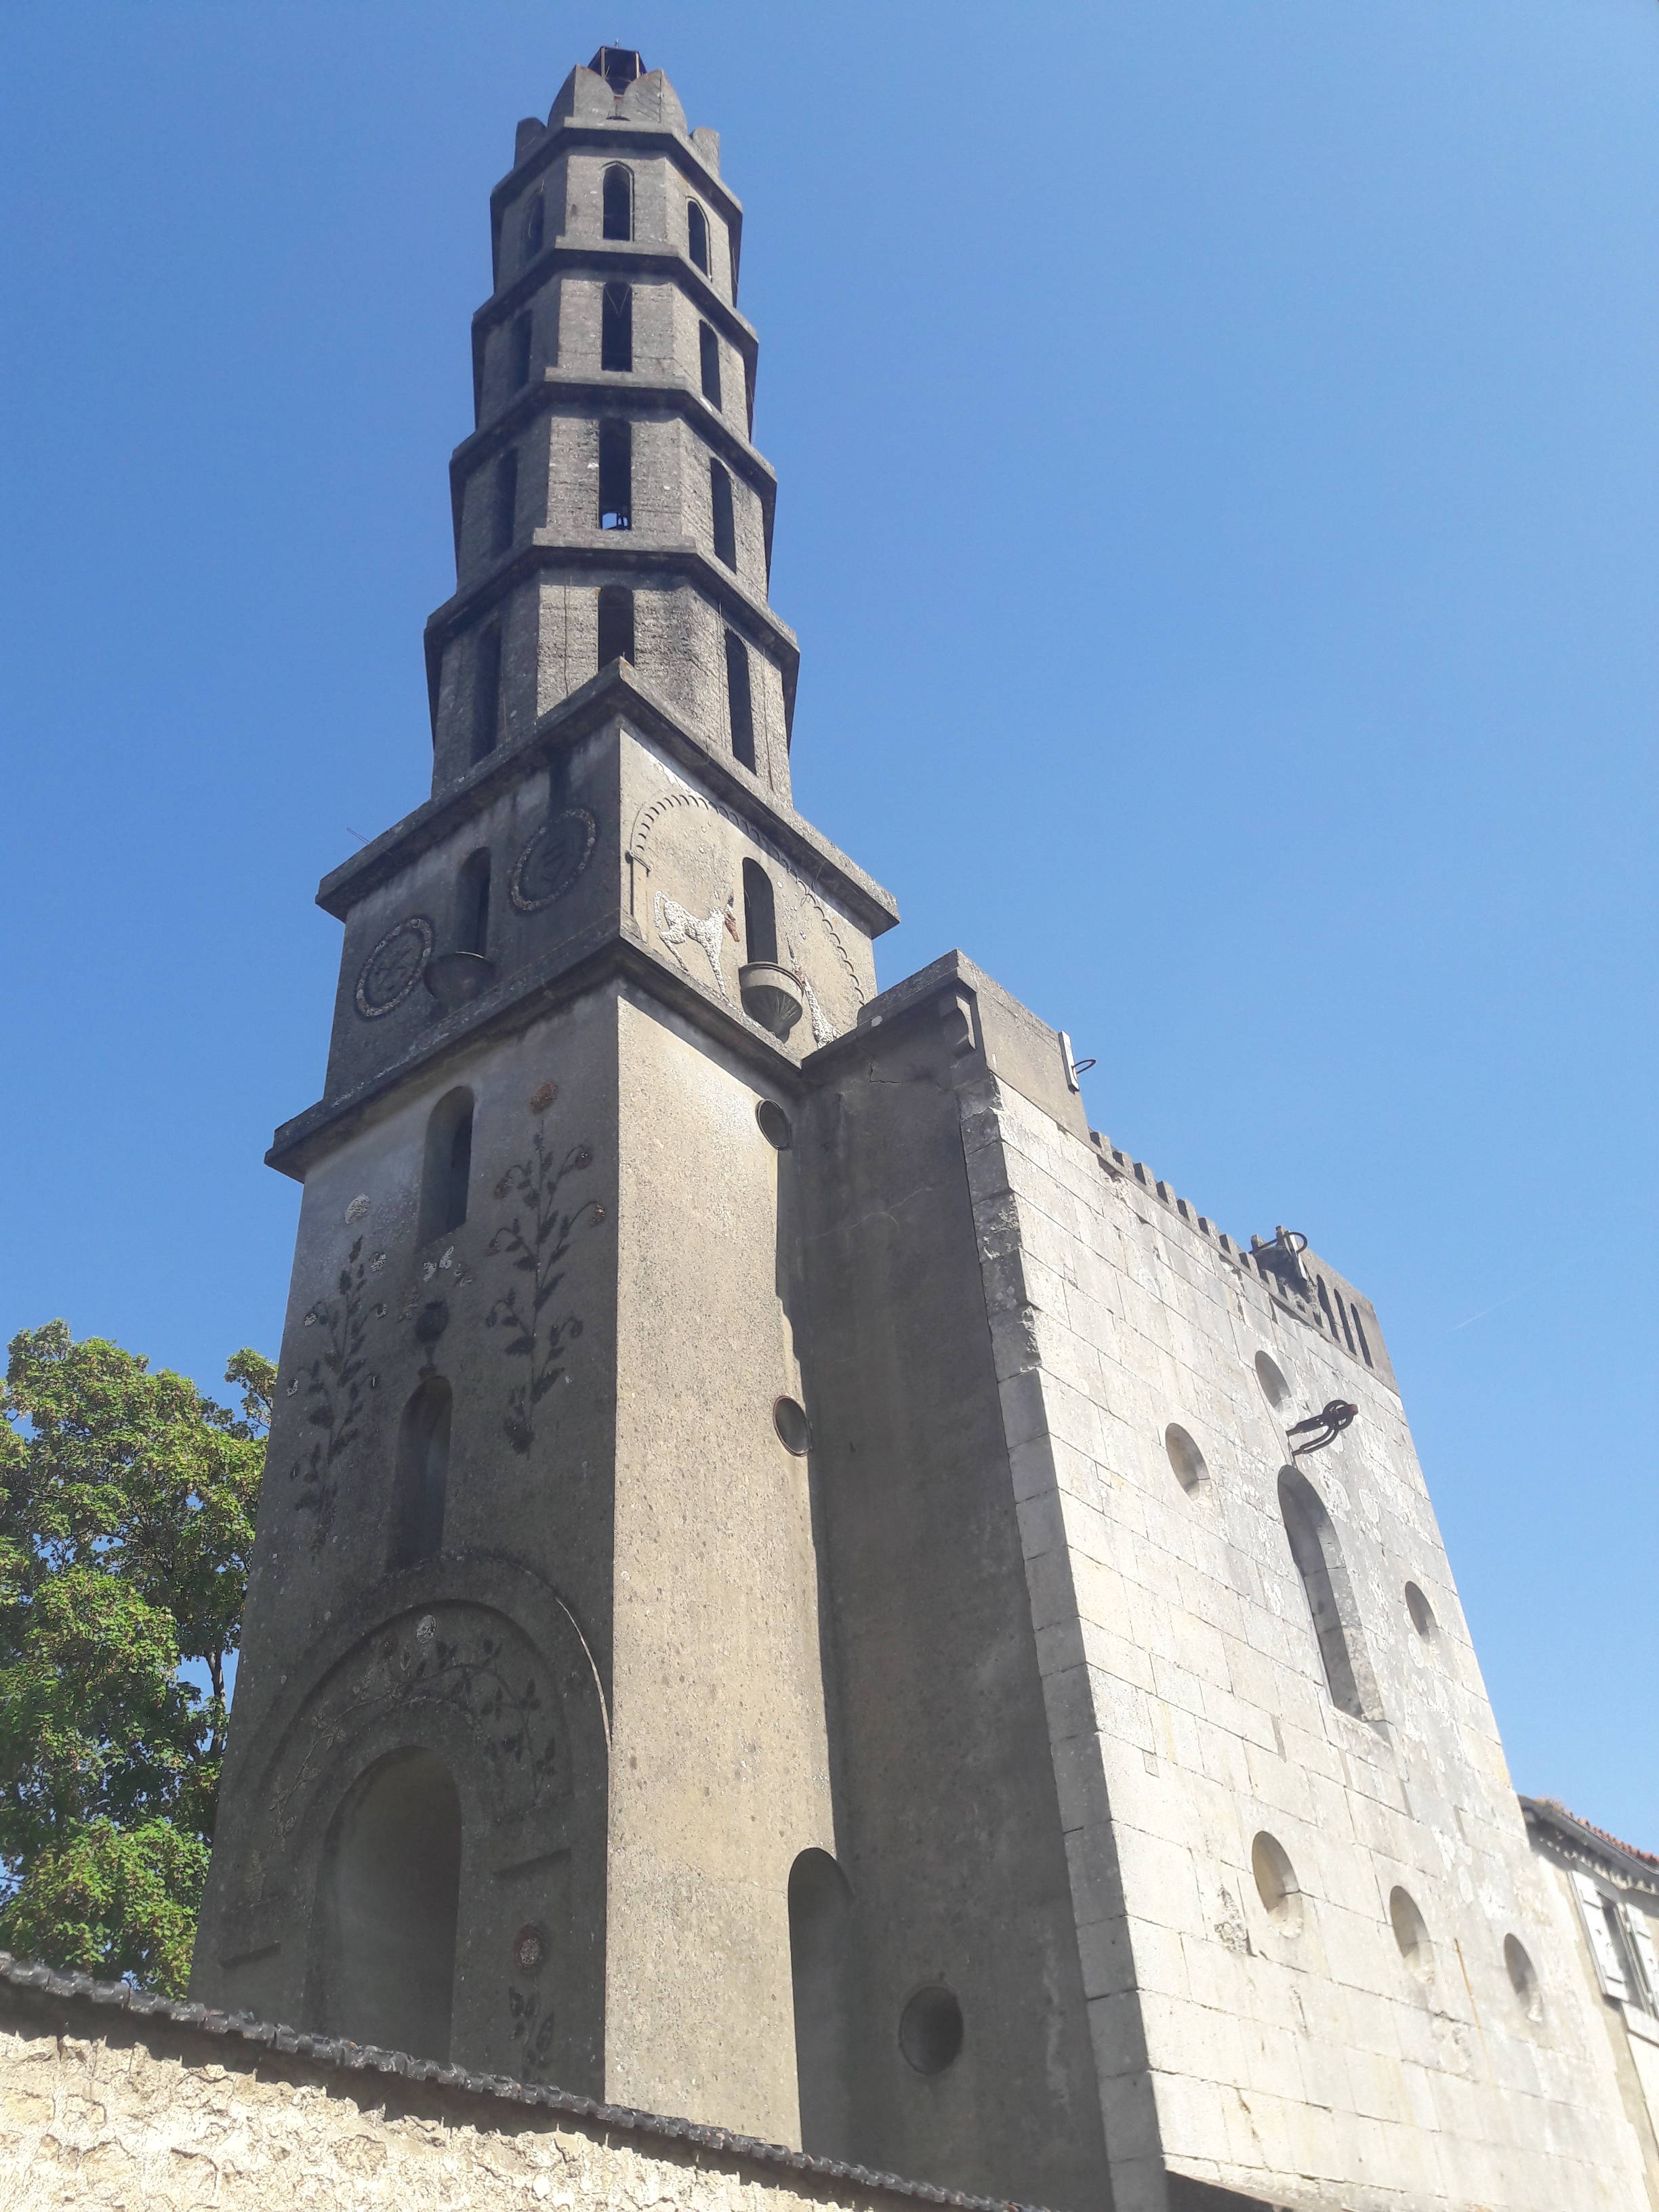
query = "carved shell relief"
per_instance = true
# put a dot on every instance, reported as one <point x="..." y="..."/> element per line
<point x="686" y="886"/>
<point x="394" y="967"/>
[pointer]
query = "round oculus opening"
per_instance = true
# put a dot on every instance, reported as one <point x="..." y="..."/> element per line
<point x="774" y="1125"/>
<point x="1274" y="1387"/>
<point x="1185" y="1458"/>
<point x="1275" y="1880"/>
<point x="1422" y="1614"/>
<point x="1523" y="1977"/>
<point x="795" y="1432"/>
<point x="1411" y="1933"/>
<point x="930" y="2029"/>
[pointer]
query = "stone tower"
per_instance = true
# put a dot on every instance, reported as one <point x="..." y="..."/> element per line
<point x="796" y="1585"/>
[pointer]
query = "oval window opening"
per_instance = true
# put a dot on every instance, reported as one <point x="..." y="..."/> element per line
<point x="1410" y="1934"/>
<point x="795" y="1432"/>
<point x="1185" y="1457"/>
<point x="930" y="2030"/>
<point x="774" y="1125"/>
<point x="1422" y="1612"/>
<point x="1523" y="1977"/>
<point x="1276" y="1881"/>
<point x="1274" y="1387"/>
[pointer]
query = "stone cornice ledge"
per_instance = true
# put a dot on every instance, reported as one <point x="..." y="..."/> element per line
<point x="85" y="2004"/>
<point x="614" y="690"/>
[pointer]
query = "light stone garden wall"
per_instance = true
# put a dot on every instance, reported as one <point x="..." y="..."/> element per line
<point x="100" y="2109"/>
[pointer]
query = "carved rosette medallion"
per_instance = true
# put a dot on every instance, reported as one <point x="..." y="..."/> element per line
<point x="550" y="863"/>
<point x="394" y="967"/>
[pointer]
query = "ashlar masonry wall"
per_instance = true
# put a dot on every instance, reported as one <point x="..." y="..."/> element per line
<point x="1268" y="2016"/>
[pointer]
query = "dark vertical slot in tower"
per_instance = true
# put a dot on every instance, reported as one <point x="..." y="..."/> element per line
<point x="719" y="502"/>
<point x="740" y="699"/>
<point x="615" y="476"/>
<point x="616" y="327"/>
<point x="472" y="905"/>
<point x="504" y="502"/>
<point x="760" y="922"/>
<point x="820" y="1959"/>
<point x="535" y="226"/>
<point x="448" y="1167"/>
<point x="486" y="690"/>
<point x="422" y="1486"/>
<point x="617" y="199"/>
<point x="696" y="235"/>
<point x="615" y="623"/>
<point x="708" y="349"/>
<point x="518" y="352"/>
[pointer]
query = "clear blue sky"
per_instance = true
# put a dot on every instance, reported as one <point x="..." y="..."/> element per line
<point x="1218" y="443"/>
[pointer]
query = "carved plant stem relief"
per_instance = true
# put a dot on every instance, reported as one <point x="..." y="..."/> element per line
<point x="334" y="1387"/>
<point x="536" y="1242"/>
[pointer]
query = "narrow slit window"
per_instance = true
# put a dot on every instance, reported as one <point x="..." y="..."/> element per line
<point x="447" y="1168"/>
<point x="486" y="691"/>
<point x="615" y="623"/>
<point x="708" y="349"/>
<point x="618" y="201"/>
<point x="1360" y="1331"/>
<point x="696" y="235"/>
<point x="760" y="920"/>
<point x="740" y="699"/>
<point x="504" y="503"/>
<point x="472" y="905"/>
<point x="615" y="476"/>
<point x="616" y="327"/>
<point x="422" y="1480"/>
<point x="535" y="226"/>
<point x="719" y="502"/>
<point x="518" y="352"/>
<point x="1325" y="1584"/>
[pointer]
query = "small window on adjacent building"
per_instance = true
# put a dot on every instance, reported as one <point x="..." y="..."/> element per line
<point x="446" y="1169"/>
<point x="422" y="1480"/>
<point x="535" y="226"/>
<point x="518" y="352"/>
<point x="616" y="327"/>
<point x="486" y="691"/>
<point x="472" y="905"/>
<point x="708" y="349"/>
<point x="618" y="201"/>
<point x="1621" y="1945"/>
<point x="615" y="476"/>
<point x="760" y="922"/>
<point x="616" y="625"/>
<point x="740" y="699"/>
<point x="719" y="502"/>
<point x="696" y="235"/>
<point x="504" y="502"/>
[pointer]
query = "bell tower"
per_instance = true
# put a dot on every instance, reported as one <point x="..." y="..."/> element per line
<point x="531" y="1720"/>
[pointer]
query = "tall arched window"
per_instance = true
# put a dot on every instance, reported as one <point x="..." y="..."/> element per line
<point x="615" y="476"/>
<point x="740" y="699"/>
<point x="486" y="690"/>
<point x="696" y="235"/>
<point x="472" y="904"/>
<point x="517" y="352"/>
<point x="820" y="1959"/>
<point x="389" y="1886"/>
<point x="618" y="201"/>
<point x="719" y="502"/>
<point x="504" y="502"/>
<point x="709" y="353"/>
<point x="422" y="1486"/>
<point x="615" y="623"/>
<point x="447" y="1169"/>
<point x="1330" y="1598"/>
<point x="760" y="920"/>
<point x="616" y="327"/>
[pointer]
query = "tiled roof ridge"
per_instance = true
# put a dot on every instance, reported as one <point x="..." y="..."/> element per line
<point x="338" y="2050"/>
<point x="1631" y="1850"/>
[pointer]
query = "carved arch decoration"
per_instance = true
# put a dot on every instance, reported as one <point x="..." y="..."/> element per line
<point x="695" y="911"/>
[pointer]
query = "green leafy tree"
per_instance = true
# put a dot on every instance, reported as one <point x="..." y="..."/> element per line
<point x="126" y="1520"/>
